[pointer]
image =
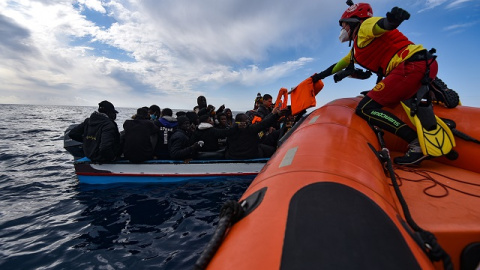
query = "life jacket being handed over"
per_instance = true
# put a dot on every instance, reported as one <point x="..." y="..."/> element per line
<point x="303" y="96"/>
<point x="377" y="55"/>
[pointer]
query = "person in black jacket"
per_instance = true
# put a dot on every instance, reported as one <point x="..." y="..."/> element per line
<point x="207" y="133"/>
<point x="138" y="145"/>
<point x="245" y="143"/>
<point x="265" y="107"/>
<point x="99" y="134"/>
<point x="167" y="125"/>
<point x="180" y="145"/>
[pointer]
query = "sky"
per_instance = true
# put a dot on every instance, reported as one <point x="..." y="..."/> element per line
<point x="137" y="53"/>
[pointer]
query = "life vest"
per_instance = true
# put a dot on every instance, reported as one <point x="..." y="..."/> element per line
<point x="282" y="98"/>
<point x="303" y="96"/>
<point x="256" y="119"/>
<point x="377" y="55"/>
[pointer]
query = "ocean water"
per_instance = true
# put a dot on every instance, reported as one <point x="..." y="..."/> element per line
<point x="50" y="221"/>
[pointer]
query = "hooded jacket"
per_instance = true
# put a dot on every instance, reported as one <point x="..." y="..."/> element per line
<point x="244" y="143"/>
<point x="100" y="137"/>
<point x="138" y="146"/>
<point x="180" y="145"/>
<point x="209" y="135"/>
<point x="167" y="125"/>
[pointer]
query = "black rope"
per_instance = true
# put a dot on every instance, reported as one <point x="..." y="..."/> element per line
<point x="230" y="213"/>
<point x="434" y="251"/>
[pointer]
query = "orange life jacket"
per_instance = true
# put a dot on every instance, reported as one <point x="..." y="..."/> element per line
<point x="303" y="96"/>
<point x="282" y="93"/>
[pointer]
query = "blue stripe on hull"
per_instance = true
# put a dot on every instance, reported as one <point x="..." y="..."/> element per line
<point x="152" y="179"/>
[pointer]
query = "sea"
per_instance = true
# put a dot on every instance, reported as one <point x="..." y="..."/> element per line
<point x="50" y="221"/>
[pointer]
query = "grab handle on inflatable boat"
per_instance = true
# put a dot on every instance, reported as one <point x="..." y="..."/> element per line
<point x="230" y="213"/>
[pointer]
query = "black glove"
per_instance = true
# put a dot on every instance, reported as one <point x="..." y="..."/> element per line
<point x="317" y="77"/>
<point x="397" y="15"/>
<point x="342" y="74"/>
<point x="322" y="75"/>
<point x="361" y="74"/>
<point x="353" y="73"/>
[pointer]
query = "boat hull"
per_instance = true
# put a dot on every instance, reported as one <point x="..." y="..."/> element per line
<point x="165" y="171"/>
<point x="327" y="202"/>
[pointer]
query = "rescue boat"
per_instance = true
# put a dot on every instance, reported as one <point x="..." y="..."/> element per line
<point x="328" y="200"/>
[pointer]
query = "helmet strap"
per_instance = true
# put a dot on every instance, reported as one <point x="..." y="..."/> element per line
<point x="353" y="32"/>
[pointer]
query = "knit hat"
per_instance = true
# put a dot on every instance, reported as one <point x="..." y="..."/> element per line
<point x="106" y="106"/>
<point x="203" y="118"/>
<point x="142" y="113"/>
<point x="182" y="119"/>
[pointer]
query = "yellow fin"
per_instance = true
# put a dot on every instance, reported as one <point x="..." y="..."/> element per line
<point x="437" y="142"/>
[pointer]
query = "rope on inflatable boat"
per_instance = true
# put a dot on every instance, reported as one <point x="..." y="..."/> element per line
<point x="433" y="249"/>
<point x="230" y="213"/>
<point x="428" y="176"/>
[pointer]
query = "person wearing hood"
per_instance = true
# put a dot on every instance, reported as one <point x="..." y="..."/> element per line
<point x="138" y="146"/>
<point x="207" y="133"/>
<point x="230" y="120"/>
<point x="154" y="112"/>
<point x="180" y="145"/>
<point x="167" y="125"/>
<point x="99" y="134"/>
<point x="245" y="143"/>
<point x="209" y="109"/>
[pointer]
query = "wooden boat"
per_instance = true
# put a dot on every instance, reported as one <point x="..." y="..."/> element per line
<point x="210" y="167"/>
<point x="326" y="201"/>
<point x="166" y="171"/>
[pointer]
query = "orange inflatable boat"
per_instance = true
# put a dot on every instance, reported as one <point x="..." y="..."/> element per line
<point x="326" y="200"/>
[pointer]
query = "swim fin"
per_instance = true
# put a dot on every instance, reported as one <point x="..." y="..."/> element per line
<point x="435" y="137"/>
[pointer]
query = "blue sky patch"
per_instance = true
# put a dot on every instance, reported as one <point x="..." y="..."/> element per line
<point x="100" y="19"/>
<point x="103" y="50"/>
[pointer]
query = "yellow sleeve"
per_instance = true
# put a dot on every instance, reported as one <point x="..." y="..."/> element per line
<point x="368" y="31"/>
<point x="378" y="31"/>
<point x="343" y="63"/>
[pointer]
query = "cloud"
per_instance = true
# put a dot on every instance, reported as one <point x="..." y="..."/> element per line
<point x="456" y="4"/>
<point x="430" y="4"/>
<point x="434" y="3"/>
<point x="16" y="39"/>
<point x="232" y="31"/>
<point x="167" y="47"/>
<point x="459" y="26"/>
<point x="93" y="4"/>
<point x="126" y="50"/>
